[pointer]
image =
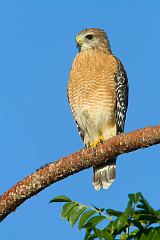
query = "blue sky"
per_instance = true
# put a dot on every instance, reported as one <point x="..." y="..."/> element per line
<point x="37" y="47"/>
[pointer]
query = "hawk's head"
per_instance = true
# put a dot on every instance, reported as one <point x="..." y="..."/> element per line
<point x="92" y="38"/>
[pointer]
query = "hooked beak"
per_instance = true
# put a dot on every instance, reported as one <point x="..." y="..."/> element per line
<point x="79" y="41"/>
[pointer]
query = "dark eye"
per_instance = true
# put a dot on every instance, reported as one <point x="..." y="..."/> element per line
<point x="89" y="36"/>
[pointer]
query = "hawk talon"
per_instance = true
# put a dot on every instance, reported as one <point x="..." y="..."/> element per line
<point x="97" y="141"/>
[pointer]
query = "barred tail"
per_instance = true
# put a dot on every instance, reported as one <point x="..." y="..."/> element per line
<point x="104" y="175"/>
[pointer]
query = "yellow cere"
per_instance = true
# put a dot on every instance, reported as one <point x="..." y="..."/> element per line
<point x="78" y="39"/>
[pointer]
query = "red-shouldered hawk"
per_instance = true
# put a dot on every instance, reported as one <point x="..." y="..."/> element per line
<point x="98" y="96"/>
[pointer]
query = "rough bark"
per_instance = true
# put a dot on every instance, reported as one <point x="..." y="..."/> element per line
<point x="74" y="163"/>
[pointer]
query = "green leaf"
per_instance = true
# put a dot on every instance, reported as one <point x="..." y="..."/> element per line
<point x="140" y="206"/>
<point x="138" y="215"/>
<point x="124" y="236"/>
<point x="112" y="212"/>
<point x="153" y="234"/>
<point x="75" y="213"/>
<point x="135" y="197"/>
<point x="85" y="216"/>
<point x="123" y="219"/>
<point x="98" y="233"/>
<point x="112" y="226"/>
<point x="67" y="208"/>
<point x="92" y="237"/>
<point x="128" y="209"/>
<point x="146" y="217"/>
<point x="138" y="224"/>
<point x="87" y="234"/>
<point x="107" y="235"/>
<point x="94" y="221"/>
<point x="138" y="212"/>
<point x="146" y="205"/>
<point x="157" y="213"/>
<point x="134" y="233"/>
<point x="143" y="237"/>
<point x="61" y="198"/>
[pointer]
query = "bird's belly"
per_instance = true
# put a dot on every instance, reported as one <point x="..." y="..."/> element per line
<point x="95" y="117"/>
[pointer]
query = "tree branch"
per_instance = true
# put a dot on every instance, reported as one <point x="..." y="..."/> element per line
<point x="74" y="163"/>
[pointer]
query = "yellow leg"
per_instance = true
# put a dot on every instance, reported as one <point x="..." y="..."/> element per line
<point x="100" y="139"/>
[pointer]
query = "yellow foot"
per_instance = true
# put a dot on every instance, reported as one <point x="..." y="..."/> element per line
<point x="100" y="139"/>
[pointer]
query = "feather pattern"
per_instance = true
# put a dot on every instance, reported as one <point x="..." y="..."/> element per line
<point x="122" y="90"/>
